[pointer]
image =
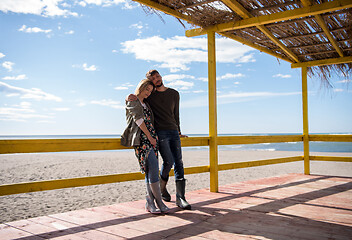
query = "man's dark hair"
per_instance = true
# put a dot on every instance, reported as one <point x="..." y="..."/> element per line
<point x="150" y="73"/>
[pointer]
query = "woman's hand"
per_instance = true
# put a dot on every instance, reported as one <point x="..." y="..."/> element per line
<point x="152" y="141"/>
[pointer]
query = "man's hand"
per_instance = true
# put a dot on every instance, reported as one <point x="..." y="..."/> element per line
<point x="183" y="136"/>
<point x="131" y="98"/>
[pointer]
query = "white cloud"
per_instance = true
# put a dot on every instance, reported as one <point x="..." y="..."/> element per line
<point x="338" y="90"/>
<point x="234" y="97"/>
<point x="182" y="85"/>
<point x="105" y="3"/>
<point x="18" y="77"/>
<point x="282" y="75"/>
<point x="85" y="67"/>
<point x="121" y="88"/>
<point x="108" y="103"/>
<point x="20" y="113"/>
<point x="2" y="55"/>
<point x="229" y="76"/>
<point x="48" y="8"/>
<point x="62" y="109"/>
<point x="178" y="52"/>
<point x="26" y="29"/>
<point x="344" y="81"/>
<point x="8" y="65"/>
<point x="124" y="86"/>
<point x="70" y="32"/>
<point x="33" y="93"/>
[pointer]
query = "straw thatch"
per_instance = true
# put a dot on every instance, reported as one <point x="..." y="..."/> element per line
<point x="304" y="37"/>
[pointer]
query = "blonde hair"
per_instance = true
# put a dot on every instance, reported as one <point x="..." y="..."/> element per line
<point x="142" y="85"/>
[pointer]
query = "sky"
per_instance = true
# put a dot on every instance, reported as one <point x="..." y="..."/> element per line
<point x="67" y="66"/>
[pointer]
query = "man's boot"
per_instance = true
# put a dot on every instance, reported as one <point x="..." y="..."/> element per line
<point x="149" y="205"/>
<point x="155" y="187"/>
<point x="164" y="193"/>
<point x="180" y="195"/>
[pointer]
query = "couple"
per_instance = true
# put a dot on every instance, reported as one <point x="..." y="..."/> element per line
<point x="152" y="116"/>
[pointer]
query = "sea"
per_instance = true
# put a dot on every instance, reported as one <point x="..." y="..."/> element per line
<point x="286" y="146"/>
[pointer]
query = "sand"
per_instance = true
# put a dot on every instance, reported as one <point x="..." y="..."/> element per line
<point x="16" y="168"/>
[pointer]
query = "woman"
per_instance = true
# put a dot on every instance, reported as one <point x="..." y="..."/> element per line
<point x="141" y="134"/>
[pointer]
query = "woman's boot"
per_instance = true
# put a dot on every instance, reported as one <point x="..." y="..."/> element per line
<point x="164" y="193"/>
<point x="155" y="187"/>
<point x="180" y="195"/>
<point x="149" y="205"/>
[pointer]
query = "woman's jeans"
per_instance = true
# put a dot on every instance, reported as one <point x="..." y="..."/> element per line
<point x="152" y="173"/>
<point x="171" y="152"/>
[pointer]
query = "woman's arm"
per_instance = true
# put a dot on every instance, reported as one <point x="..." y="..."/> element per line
<point x="144" y="128"/>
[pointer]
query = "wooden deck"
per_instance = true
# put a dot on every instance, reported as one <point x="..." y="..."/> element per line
<point x="294" y="206"/>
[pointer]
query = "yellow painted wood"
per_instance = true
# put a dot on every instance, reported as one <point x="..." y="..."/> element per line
<point x="255" y="46"/>
<point x="230" y="140"/>
<point x="330" y="138"/>
<point x="67" y="183"/>
<point x="331" y="159"/>
<point x="213" y="133"/>
<point x="325" y="28"/>
<point x="275" y="17"/>
<point x="323" y="62"/>
<point x="305" y="121"/>
<point x="64" y="145"/>
<point x="239" y="9"/>
<point x="228" y="166"/>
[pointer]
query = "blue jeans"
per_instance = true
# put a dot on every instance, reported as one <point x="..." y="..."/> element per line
<point x="152" y="173"/>
<point x="171" y="152"/>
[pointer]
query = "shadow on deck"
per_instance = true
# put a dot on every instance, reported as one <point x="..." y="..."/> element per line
<point x="293" y="206"/>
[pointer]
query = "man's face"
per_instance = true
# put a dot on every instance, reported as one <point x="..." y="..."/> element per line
<point x="157" y="80"/>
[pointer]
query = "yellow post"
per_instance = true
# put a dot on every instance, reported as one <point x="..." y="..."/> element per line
<point x="213" y="132"/>
<point x="305" y="121"/>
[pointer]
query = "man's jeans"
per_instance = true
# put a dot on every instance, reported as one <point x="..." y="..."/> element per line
<point x="171" y="152"/>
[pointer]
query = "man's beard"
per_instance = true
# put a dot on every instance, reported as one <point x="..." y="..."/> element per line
<point x="160" y="84"/>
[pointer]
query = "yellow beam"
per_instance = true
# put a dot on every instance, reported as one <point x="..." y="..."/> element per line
<point x="275" y="17"/>
<point x="65" y="145"/>
<point x="305" y="121"/>
<point x="255" y="46"/>
<point x="325" y="28"/>
<point x="239" y="9"/>
<point x="213" y="132"/>
<point x="331" y="159"/>
<point x="230" y="140"/>
<point x="323" y="62"/>
<point x="330" y="138"/>
<point x="228" y="166"/>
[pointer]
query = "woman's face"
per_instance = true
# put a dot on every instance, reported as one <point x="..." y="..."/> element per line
<point x="145" y="93"/>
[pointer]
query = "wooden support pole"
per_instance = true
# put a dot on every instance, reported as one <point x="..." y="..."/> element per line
<point x="305" y="121"/>
<point x="213" y="132"/>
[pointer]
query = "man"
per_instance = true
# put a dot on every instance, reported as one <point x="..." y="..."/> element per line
<point x="165" y="106"/>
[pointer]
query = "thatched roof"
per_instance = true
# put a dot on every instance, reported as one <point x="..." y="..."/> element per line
<point x="296" y="31"/>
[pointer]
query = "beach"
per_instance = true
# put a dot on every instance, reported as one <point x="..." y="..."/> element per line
<point x="17" y="168"/>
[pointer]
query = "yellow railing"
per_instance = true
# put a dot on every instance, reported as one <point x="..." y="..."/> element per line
<point x="62" y="145"/>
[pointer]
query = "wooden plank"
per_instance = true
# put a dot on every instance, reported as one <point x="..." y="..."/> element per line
<point x="330" y="138"/>
<point x="228" y="166"/>
<point x="275" y="17"/>
<point x="64" y="145"/>
<point x="229" y="140"/>
<point x="329" y="61"/>
<point x="330" y="158"/>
